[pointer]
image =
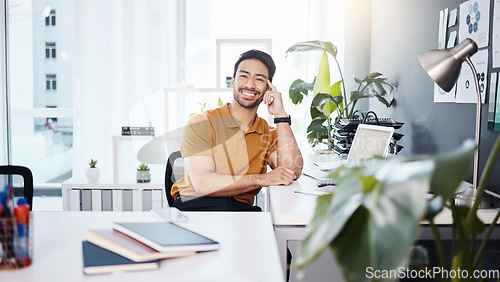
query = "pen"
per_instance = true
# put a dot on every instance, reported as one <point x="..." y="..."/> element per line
<point x="7" y="231"/>
<point x="306" y="193"/>
<point x="22" y="214"/>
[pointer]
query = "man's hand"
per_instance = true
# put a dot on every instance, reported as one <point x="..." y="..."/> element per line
<point x="274" y="102"/>
<point x="279" y="176"/>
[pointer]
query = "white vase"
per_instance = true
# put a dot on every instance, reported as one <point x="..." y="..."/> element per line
<point x="93" y="174"/>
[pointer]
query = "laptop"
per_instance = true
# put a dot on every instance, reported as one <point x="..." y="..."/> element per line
<point x="369" y="141"/>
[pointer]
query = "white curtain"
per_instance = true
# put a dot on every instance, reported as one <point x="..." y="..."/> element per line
<point x="122" y="51"/>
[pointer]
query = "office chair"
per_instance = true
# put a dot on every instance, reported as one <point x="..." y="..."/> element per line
<point x="27" y="177"/>
<point x="170" y="176"/>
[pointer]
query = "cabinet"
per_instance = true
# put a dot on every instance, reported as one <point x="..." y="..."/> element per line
<point x="80" y="195"/>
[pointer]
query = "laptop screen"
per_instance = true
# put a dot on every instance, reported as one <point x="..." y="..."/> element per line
<point x="370" y="141"/>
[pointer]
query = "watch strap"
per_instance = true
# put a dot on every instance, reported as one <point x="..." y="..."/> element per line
<point x="287" y="119"/>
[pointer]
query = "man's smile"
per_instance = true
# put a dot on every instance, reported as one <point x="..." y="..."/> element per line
<point x="249" y="94"/>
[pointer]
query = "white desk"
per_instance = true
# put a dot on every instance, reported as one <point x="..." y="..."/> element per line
<point x="291" y="213"/>
<point x="247" y="249"/>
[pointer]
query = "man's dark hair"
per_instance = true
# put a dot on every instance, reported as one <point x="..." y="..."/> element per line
<point x="265" y="58"/>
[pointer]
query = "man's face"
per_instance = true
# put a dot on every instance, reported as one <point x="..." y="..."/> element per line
<point x="250" y="83"/>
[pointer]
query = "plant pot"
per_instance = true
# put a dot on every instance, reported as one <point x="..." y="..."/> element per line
<point x="92" y="174"/>
<point x="143" y="177"/>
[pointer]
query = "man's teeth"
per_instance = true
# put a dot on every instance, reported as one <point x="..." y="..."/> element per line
<point x="249" y="94"/>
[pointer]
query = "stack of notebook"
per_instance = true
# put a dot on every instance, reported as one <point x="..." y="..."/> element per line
<point x="139" y="246"/>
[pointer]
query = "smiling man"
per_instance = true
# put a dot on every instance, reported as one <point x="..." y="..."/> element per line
<point x="227" y="150"/>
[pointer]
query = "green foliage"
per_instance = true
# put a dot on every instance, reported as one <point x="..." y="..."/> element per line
<point x="203" y="106"/>
<point x="387" y="198"/>
<point x="92" y="163"/>
<point x="333" y="102"/>
<point x="143" y="167"/>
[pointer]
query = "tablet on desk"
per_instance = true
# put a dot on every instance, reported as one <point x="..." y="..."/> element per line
<point x="169" y="214"/>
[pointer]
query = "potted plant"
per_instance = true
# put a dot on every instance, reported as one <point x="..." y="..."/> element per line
<point x="372" y="219"/>
<point x="143" y="174"/>
<point x="93" y="172"/>
<point x="333" y="102"/>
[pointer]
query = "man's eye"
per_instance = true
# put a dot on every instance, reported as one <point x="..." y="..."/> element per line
<point x="243" y="75"/>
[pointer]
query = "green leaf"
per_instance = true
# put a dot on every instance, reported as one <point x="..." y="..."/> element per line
<point x="322" y="84"/>
<point x="315" y="113"/>
<point x="312" y="46"/>
<point x="219" y="102"/>
<point x="395" y="205"/>
<point x="356" y="95"/>
<point x="381" y="199"/>
<point x="336" y="89"/>
<point x="372" y="75"/>
<point x="329" y="218"/>
<point x="478" y="225"/>
<point x="338" y="100"/>
<point x="316" y="129"/>
<point x="451" y="169"/>
<point x="298" y="90"/>
<point x="320" y="99"/>
<point x="329" y="107"/>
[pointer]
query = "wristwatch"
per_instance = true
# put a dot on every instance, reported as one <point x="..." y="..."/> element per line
<point x="287" y="119"/>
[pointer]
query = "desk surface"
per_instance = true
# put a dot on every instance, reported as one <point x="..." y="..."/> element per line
<point x="294" y="205"/>
<point x="248" y="250"/>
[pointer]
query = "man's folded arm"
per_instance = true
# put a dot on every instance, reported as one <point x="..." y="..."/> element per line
<point x="207" y="182"/>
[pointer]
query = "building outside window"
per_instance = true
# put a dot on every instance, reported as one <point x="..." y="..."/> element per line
<point x="51" y="19"/>
<point x="50" y="50"/>
<point x="50" y="82"/>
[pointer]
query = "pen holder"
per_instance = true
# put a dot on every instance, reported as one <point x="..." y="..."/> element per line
<point x="16" y="247"/>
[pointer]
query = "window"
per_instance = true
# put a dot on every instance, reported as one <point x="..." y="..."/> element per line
<point x="50" y="50"/>
<point x="51" y="19"/>
<point x="50" y="82"/>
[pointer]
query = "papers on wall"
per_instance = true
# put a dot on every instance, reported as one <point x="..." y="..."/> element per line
<point x="492" y="98"/>
<point x="494" y="103"/>
<point x="445" y="20"/>
<point x="475" y="21"/>
<point x="452" y="39"/>
<point x="443" y="23"/>
<point x="441" y="96"/>
<point x="466" y="90"/>
<point x="453" y="18"/>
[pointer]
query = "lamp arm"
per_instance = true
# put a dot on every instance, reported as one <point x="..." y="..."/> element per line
<point x="478" y="124"/>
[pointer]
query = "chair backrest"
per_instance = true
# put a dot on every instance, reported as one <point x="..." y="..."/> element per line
<point x="170" y="178"/>
<point x="27" y="177"/>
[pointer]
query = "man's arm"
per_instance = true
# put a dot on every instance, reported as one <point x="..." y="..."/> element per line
<point x="207" y="182"/>
<point x="288" y="154"/>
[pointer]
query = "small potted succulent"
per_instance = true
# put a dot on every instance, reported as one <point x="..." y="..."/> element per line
<point x="93" y="172"/>
<point x="143" y="174"/>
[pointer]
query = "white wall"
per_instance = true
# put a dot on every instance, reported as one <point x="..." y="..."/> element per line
<point x="3" y="100"/>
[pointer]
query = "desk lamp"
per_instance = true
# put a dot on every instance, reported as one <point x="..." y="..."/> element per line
<point x="443" y="66"/>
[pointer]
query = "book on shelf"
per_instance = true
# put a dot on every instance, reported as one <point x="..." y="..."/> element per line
<point x="138" y="130"/>
<point x="165" y="236"/>
<point x="128" y="247"/>
<point x="97" y="260"/>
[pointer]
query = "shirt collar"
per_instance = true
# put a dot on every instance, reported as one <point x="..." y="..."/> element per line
<point x="232" y="123"/>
